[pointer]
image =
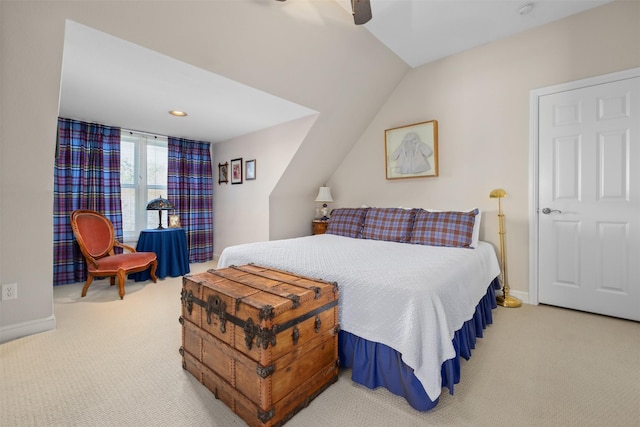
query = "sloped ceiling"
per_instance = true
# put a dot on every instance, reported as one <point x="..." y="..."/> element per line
<point x="422" y="31"/>
<point x="112" y="81"/>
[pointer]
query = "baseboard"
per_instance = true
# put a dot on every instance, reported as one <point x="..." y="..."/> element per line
<point x="19" y="330"/>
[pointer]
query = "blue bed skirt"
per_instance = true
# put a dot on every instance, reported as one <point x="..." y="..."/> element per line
<point x="377" y="365"/>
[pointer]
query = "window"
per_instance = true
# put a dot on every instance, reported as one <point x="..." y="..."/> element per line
<point x="143" y="177"/>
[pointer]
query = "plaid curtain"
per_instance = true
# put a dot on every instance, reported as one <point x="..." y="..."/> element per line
<point x="190" y="189"/>
<point x="86" y="176"/>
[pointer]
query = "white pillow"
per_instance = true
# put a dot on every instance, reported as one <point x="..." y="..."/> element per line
<point x="475" y="237"/>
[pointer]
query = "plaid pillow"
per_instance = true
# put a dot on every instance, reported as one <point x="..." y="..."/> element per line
<point x="453" y="229"/>
<point x="475" y="240"/>
<point x="347" y="222"/>
<point x="390" y="224"/>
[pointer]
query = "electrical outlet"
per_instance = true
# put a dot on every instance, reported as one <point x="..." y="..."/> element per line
<point x="9" y="291"/>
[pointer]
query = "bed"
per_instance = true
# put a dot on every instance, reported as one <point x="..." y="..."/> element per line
<point x="416" y="290"/>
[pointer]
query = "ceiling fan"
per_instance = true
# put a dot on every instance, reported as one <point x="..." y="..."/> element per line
<point x="361" y="10"/>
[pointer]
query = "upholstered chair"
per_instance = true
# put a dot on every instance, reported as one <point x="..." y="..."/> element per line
<point x="95" y="236"/>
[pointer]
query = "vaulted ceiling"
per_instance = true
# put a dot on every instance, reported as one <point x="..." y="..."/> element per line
<point x="133" y="87"/>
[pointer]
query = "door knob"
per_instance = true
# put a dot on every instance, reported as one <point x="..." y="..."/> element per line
<point x="547" y="211"/>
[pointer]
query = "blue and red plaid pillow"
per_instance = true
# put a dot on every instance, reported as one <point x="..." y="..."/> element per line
<point x="347" y="222"/>
<point x="390" y="224"/>
<point x="453" y="229"/>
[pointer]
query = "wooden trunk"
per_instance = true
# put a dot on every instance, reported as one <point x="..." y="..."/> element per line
<point x="264" y="341"/>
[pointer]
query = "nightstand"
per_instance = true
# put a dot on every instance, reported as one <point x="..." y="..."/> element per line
<point x="319" y="226"/>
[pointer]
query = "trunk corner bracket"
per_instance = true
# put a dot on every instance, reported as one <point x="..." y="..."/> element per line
<point x="265" y="416"/>
<point x="187" y="300"/>
<point x="266" y="312"/>
<point x="265" y="371"/>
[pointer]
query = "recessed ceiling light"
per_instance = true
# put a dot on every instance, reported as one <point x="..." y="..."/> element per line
<point x="177" y="113"/>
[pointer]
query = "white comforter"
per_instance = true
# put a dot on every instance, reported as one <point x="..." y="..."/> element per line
<point x="409" y="297"/>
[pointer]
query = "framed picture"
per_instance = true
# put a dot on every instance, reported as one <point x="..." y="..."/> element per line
<point x="223" y="173"/>
<point x="174" y="221"/>
<point x="236" y="171"/>
<point x="412" y="151"/>
<point x="250" y="169"/>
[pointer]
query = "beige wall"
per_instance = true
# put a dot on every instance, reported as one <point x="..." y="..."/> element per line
<point x="310" y="53"/>
<point x="242" y="210"/>
<point x="306" y="51"/>
<point x="481" y="101"/>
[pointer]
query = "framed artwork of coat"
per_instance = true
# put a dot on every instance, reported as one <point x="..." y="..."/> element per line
<point x="412" y="151"/>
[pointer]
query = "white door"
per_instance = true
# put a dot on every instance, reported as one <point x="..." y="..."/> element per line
<point x="589" y="199"/>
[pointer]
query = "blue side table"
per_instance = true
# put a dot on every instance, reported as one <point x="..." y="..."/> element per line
<point x="170" y="246"/>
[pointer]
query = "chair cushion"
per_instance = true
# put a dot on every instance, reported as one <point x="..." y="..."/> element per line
<point x="128" y="262"/>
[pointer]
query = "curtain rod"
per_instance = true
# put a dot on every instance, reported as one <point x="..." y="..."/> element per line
<point x="139" y="132"/>
<point x="132" y="131"/>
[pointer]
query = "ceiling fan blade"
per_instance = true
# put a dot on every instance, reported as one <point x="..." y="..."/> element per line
<point x="361" y="11"/>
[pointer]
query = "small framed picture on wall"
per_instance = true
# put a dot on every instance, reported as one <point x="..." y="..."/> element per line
<point x="236" y="171"/>
<point x="223" y="169"/>
<point x="250" y="169"/>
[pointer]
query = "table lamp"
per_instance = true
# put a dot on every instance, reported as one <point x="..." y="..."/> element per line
<point x="159" y="205"/>
<point x="324" y="197"/>
<point x="504" y="300"/>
